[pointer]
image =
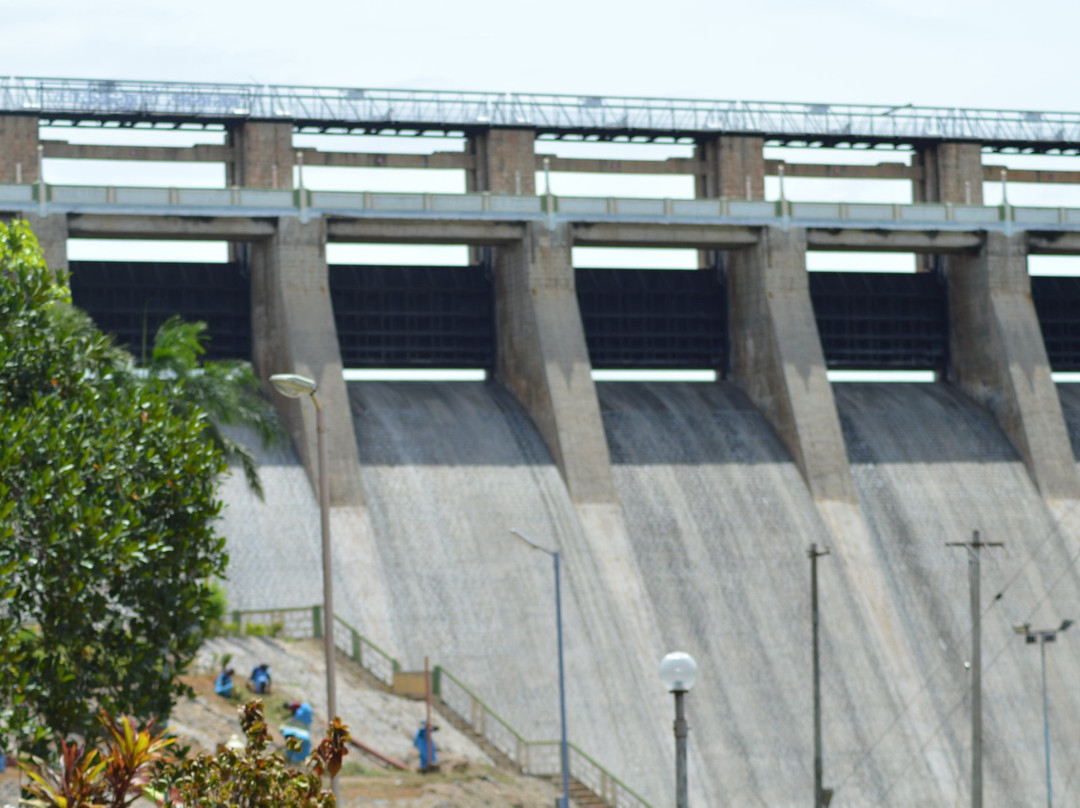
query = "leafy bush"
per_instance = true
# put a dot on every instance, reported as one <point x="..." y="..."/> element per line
<point x="134" y="763"/>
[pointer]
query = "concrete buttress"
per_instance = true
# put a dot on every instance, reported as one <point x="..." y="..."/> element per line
<point x="294" y="332"/>
<point x="543" y="360"/>
<point x="776" y="357"/>
<point x="997" y="357"/>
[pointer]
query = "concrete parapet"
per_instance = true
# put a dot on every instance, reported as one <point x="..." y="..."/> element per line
<point x="997" y="357"/>
<point x="19" y="149"/>
<point x="776" y="357"/>
<point x="505" y="162"/>
<point x="294" y="332"/>
<point x="543" y="360"/>
<point x="262" y="155"/>
<point x="731" y="167"/>
<point x="52" y="234"/>
<point x="951" y="172"/>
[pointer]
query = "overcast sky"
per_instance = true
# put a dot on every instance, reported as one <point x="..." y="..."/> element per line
<point x="948" y="52"/>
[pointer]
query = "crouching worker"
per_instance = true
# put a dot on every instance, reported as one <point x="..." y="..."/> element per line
<point x="298" y="727"/>
<point x="223" y="686"/>
<point x="424" y="742"/>
<point x="259" y="681"/>
<point x="296" y="755"/>
<point x="301" y="712"/>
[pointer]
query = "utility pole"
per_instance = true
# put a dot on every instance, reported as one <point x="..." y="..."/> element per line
<point x="973" y="547"/>
<point x="819" y="769"/>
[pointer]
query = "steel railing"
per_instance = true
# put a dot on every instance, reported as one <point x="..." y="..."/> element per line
<point x="375" y="109"/>
<point x="537" y="758"/>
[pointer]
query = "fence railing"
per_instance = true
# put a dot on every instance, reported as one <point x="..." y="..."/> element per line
<point x="538" y="758"/>
<point x="306" y="621"/>
<point x="302" y="202"/>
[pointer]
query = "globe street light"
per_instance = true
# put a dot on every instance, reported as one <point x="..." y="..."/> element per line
<point x="1042" y="637"/>
<point x="294" y="386"/>
<point x="564" y="800"/>
<point x="678" y="672"/>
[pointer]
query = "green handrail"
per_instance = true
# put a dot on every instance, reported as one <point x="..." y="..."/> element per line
<point x="439" y="674"/>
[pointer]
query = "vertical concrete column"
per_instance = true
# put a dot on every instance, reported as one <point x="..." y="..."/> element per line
<point x="776" y="357"/>
<point x="543" y="360"/>
<point x="262" y="155"/>
<point x="731" y="167"/>
<point x="52" y="234"/>
<point x="997" y="357"/>
<point x="294" y="332"/>
<point x="951" y="172"/>
<point x="19" y="149"/>
<point x="505" y="162"/>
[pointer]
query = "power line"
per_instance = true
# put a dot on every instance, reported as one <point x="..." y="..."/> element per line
<point x="906" y="706"/>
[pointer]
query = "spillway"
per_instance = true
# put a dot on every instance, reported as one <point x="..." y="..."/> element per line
<point x="717" y="520"/>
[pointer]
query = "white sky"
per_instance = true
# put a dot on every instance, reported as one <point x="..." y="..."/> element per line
<point x="934" y="52"/>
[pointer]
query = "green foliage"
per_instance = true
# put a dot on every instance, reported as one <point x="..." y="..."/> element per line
<point x="256" y="777"/>
<point x="227" y="391"/>
<point x="110" y="778"/>
<point x="107" y="503"/>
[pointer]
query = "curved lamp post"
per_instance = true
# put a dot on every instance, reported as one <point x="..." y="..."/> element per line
<point x="294" y="386"/>
<point x="678" y="672"/>
<point x="564" y="800"/>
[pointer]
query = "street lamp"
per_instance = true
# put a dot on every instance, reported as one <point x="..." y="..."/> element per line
<point x="564" y="800"/>
<point x="1043" y="636"/>
<point x="294" y="386"/>
<point x="678" y="672"/>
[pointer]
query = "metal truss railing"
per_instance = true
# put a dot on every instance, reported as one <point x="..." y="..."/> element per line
<point x="605" y="116"/>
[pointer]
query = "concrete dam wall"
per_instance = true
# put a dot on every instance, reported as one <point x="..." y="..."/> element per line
<point x="717" y="523"/>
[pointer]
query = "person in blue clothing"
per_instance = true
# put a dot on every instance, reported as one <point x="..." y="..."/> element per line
<point x="302" y="735"/>
<point x="224" y="684"/>
<point x="301" y="711"/>
<point x="259" y="681"/>
<point x="422" y="743"/>
<point x="299" y="727"/>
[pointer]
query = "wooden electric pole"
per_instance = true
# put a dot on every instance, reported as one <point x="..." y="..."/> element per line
<point x="973" y="547"/>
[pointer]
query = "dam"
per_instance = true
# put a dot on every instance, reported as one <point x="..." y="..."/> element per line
<point x="682" y="510"/>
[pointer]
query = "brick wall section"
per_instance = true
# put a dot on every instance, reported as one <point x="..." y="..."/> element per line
<point x="263" y="155"/>
<point x="952" y="172"/>
<point x="505" y="162"/>
<point x="731" y="167"/>
<point x="18" y="148"/>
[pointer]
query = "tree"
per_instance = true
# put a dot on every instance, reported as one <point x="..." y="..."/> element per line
<point x="227" y="391"/>
<point x="107" y="504"/>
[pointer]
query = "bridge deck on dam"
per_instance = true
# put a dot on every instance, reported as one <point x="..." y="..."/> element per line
<point x="493" y="209"/>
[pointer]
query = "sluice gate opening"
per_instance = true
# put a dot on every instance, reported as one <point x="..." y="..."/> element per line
<point x="430" y="317"/>
<point x="881" y="320"/>
<point x="131" y="300"/>
<point x="655" y="319"/>
<point x="1057" y="302"/>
